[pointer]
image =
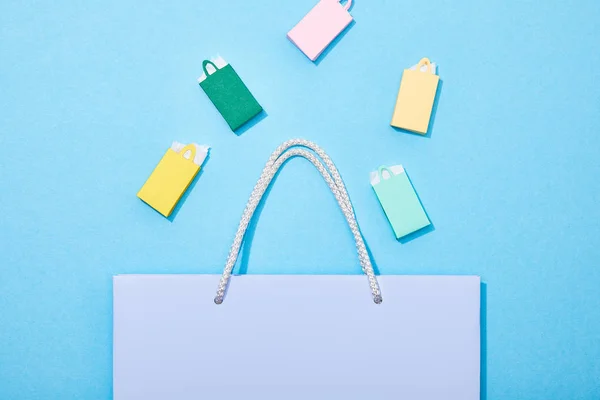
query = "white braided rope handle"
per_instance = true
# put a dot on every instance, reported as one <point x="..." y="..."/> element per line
<point x="335" y="183"/>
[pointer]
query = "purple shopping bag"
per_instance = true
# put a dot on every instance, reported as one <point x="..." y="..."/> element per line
<point x="296" y="336"/>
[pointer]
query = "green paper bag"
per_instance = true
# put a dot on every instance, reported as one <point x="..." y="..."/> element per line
<point x="399" y="200"/>
<point x="229" y="95"/>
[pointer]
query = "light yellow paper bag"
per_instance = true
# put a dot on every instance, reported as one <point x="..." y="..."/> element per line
<point x="415" y="98"/>
<point x="170" y="179"/>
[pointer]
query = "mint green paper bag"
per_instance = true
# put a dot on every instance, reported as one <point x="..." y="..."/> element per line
<point x="229" y="94"/>
<point x="399" y="200"/>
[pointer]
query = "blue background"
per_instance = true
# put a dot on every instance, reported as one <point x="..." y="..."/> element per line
<point x="92" y="94"/>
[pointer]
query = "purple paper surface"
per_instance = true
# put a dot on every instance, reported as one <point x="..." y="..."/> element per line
<point x="296" y="337"/>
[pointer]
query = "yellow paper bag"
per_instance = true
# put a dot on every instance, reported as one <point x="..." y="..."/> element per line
<point x="170" y="179"/>
<point x="415" y="98"/>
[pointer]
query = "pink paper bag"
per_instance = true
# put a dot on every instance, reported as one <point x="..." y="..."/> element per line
<point x="320" y="27"/>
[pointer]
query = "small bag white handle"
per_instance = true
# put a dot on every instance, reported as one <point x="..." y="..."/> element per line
<point x="348" y="5"/>
<point x="335" y="183"/>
